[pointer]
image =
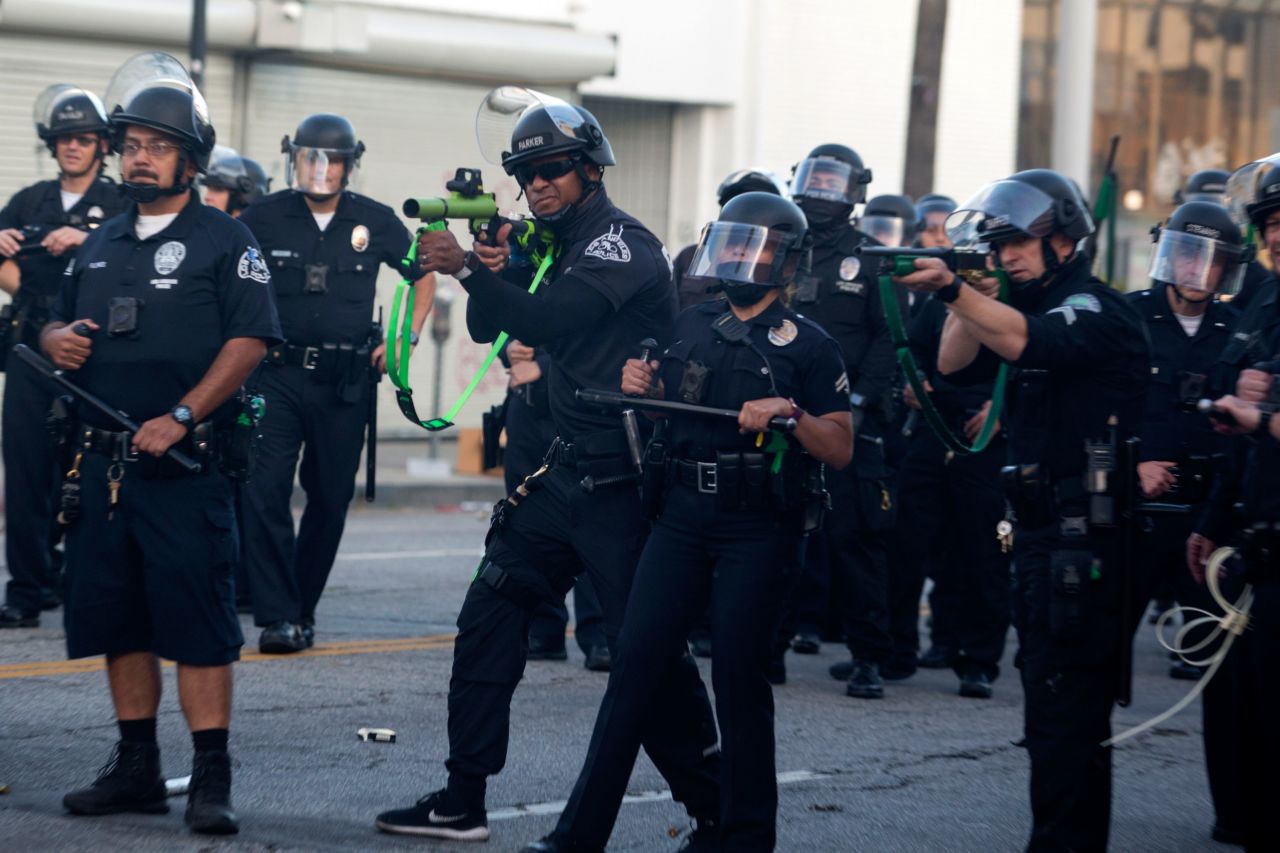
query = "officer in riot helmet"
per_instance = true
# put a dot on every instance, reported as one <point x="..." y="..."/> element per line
<point x="233" y="182"/>
<point x="41" y="228"/>
<point x="889" y="220"/>
<point x="840" y="293"/>
<point x="1081" y="363"/>
<point x="742" y="181"/>
<point x="724" y="540"/>
<point x="932" y="211"/>
<point x="325" y="244"/>
<point x="608" y="288"/>
<point x="1203" y="185"/>
<point x="163" y="314"/>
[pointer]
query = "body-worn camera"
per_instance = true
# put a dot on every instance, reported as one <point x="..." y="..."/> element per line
<point x="317" y="278"/>
<point x="122" y="316"/>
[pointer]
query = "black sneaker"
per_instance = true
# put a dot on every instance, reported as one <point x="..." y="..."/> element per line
<point x="705" y="837"/>
<point x="975" y="685"/>
<point x="209" y="798"/>
<point x="282" y="638"/>
<point x="806" y="643"/>
<point x="937" y="657"/>
<point x="130" y="782"/>
<point x="598" y="659"/>
<point x="12" y="617"/>
<point x="425" y="818"/>
<point x="865" y="681"/>
<point x="545" y="649"/>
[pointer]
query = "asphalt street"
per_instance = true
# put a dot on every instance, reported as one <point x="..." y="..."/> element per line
<point x="920" y="770"/>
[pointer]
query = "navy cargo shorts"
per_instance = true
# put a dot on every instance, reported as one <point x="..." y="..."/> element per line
<point x="159" y="575"/>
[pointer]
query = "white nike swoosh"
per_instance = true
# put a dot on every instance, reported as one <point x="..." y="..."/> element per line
<point x="435" y="818"/>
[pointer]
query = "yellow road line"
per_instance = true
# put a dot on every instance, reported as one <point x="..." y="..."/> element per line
<point x="36" y="669"/>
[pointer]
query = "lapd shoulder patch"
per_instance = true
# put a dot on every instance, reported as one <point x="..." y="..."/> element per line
<point x="610" y="247"/>
<point x="1083" y="302"/>
<point x="253" y="266"/>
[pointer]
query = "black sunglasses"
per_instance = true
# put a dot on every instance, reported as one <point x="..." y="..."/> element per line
<point x="547" y="171"/>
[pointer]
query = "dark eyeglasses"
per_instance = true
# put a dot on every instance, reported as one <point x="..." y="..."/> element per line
<point x="83" y="140"/>
<point x="547" y="171"/>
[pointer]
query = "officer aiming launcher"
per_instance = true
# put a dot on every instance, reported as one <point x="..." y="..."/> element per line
<point x="969" y="264"/>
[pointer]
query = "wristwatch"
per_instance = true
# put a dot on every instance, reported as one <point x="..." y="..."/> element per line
<point x="951" y="292"/>
<point x="413" y="338"/>
<point x="182" y="414"/>
<point x="796" y="411"/>
<point x="1264" y="423"/>
<point x="470" y="263"/>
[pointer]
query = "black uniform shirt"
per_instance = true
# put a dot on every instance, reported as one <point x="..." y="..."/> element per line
<point x="1169" y="432"/>
<point x="344" y="257"/>
<point x="201" y="281"/>
<point x="955" y="403"/>
<point x="842" y="295"/>
<point x="1086" y="360"/>
<point x="41" y="205"/>
<point x="1258" y="280"/>
<point x="802" y="360"/>
<point x="628" y="275"/>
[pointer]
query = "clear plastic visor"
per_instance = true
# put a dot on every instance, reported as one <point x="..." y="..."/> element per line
<point x="502" y="109"/>
<point x="825" y="179"/>
<point x="888" y="230"/>
<point x="1242" y="188"/>
<point x="49" y="101"/>
<point x="1003" y="204"/>
<point x="1197" y="263"/>
<point x="319" y="171"/>
<point x="732" y="251"/>
<point x="150" y="70"/>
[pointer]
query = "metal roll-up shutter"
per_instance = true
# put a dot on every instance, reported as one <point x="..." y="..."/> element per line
<point x="29" y="63"/>
<point x="417" y="132"/>
<point x="640" y="134"/>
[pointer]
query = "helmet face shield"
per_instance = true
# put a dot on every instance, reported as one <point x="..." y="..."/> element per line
<point x="888" y="230"/>
<point x="502" y="109"/>
<point x="734" y="251"/>
<point x="1002" y="210"/>
<point x="1197" y="262"/>
<point x="62" y="109"/>
<point x="319" y="171"/>
<point x="156" y="70"/>
<point x="826" y="179"/>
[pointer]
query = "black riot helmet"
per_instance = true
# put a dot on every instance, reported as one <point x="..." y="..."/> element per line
<point x="154" y="90"/>
<point x="932" y="203"/>
<point x="828" y="183"/>
<point x="63" y="109"/>
<point x="756" y="243"/>
<point x="516" y="126"/>
<point x="1204" y="185"/>
<point x="1033" y="203"/>
<point x="1265" y="195"/>
<point x="749" y="181"/>
<point x="1200" y="248"/>
<point x="321" y="139"/>
<point x="243" y="178"/>
<point x="889" y="219"/>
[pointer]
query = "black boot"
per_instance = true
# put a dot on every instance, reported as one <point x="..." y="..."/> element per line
<point x="209" y="799"/>
<point x="130" y="782"/>
<point x="865" y="681"/>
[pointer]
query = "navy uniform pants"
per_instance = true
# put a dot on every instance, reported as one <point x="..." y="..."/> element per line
<point x="553" y="535"/>
<point x="287" y="573"/>
<point x="733" y="567"/>
<point x="30" y="479"/>
<point x="1069" y="656"/>
<point x="949" y="506"/>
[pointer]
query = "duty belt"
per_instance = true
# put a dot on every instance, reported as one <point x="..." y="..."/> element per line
<point x="308" y="358"/>
<point x="118" y="446"/>
<point x="588" y="447"/>
<point x="699" y="475"/>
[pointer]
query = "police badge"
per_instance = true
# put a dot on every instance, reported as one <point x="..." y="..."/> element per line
<point x="782" y="335"/>
<point x="849" y="268"/>
<point x="360" y="238"/>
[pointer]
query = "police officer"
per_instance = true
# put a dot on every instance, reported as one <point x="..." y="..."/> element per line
<point x="727" y="534"/>
<point x="233" y="182"/>
<point x="177" y="299"/>
<point x="324" y="244"/>
<point x="1081" y="362"/>
<point x="841" y="295"/>
<point x="889" y="220"/>
<point x="609" y="288"/>
<point x="742" y="181"/>
<point x="41" y="228"/>
<point x="1243" y="191"/>
<point x="529" y="431"/>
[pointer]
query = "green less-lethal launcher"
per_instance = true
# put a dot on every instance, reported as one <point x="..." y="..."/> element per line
<point x="467" y="200"/>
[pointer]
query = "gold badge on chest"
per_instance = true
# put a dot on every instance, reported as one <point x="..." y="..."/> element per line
<point x="360" y="238"/>
<point x="782" y="335"/>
